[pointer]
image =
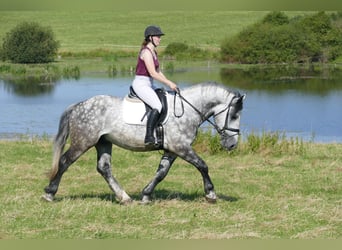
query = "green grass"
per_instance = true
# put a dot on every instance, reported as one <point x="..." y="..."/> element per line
<point x="80" y="31"/>
<point x="107" y="41"/>
<point x="263" y="194"/>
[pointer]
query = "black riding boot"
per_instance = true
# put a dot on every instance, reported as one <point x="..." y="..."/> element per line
<point x="151" y="123"/>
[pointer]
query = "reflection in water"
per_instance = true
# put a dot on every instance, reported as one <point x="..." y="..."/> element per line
<point x="27" y="87"/>
<point x="310" y="79"/>
<point x="22" y="82"/>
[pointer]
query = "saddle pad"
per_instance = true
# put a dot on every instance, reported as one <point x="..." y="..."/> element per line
<point x="134" y="112"/>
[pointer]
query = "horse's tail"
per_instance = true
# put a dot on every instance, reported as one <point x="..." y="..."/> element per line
<point x="60" y="141"/>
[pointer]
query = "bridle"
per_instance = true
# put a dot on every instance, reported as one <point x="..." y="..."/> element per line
<point x="220" y="131"/>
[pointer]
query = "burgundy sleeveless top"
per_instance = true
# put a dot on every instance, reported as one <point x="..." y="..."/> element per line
<point x="141" y="69"/>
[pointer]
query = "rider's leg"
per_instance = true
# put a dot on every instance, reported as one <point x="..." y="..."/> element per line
<point x="143" y="87"/>
<point x="151" y="124"/>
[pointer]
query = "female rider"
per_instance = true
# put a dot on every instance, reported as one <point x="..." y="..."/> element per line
<point x="147" y="70"/>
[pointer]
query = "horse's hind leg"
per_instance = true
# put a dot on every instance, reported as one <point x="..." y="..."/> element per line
<point x="163" y="169"/>
<point x="69" y="157"/>
<point x="104" y="155"/>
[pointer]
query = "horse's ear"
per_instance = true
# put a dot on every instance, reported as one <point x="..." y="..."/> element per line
<point x="241" y="98"/>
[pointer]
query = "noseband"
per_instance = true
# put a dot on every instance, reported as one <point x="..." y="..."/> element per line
<point x="220" y="131"/>
<point x="226" y="125"/>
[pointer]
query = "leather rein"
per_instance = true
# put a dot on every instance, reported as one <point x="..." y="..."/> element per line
<point x="204" y="118"/>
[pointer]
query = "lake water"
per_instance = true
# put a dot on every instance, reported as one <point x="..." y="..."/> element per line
<point x="304" y="103"/>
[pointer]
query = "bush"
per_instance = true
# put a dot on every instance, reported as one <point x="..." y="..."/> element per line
<point x="29" y="42"/>
<point x="173" y="48"/>
<point x="182" y="51"/>
<point x="276" y="18"/>
<point x="277" y="39"/>
<point x="320" y="25"/>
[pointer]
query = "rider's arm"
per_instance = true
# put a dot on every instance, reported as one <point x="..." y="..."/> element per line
<point x="157" y="75"/>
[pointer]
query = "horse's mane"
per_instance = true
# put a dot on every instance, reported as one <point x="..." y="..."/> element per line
<point x="213" y="86"/>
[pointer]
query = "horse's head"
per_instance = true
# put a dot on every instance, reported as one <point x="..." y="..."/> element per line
<point x="227" y="120"/>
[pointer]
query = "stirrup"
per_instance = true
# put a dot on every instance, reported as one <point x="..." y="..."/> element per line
<point x="150" y="141"/>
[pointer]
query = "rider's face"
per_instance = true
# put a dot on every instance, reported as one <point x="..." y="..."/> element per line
<point x="156" y="40"/>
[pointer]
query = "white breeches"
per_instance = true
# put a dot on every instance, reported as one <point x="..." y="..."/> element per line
<point x="144" y="88"/>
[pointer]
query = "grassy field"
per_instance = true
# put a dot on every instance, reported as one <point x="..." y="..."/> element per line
<point x="97" y="41"/>
<point x="83" y="31"/>
<point x="270" y="192"/>
<point x="100" y="41"/>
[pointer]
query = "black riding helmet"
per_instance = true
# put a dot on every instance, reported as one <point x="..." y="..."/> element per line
<point x="153" y="30"/>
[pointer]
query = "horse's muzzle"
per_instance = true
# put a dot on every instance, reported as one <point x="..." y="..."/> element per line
<point x="231" y="147"/>
<point x="230" y="143"/>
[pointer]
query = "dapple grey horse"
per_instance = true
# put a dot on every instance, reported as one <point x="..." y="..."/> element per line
<point x="98" y="122"/>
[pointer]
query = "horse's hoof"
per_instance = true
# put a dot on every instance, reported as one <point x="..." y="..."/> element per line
<point x="47" y="197"/>
<point x="146" y="200"/>
<point x="211" y="197"/>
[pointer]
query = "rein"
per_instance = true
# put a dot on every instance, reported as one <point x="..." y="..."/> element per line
<point x="204" y="118"/>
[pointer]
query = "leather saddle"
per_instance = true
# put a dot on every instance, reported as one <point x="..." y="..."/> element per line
<point x="161" y="93"/>
<point x="135" y="112"/>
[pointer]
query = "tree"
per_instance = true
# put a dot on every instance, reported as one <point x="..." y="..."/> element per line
<point x="29" y="42"/>
<point x="278" y="39"/>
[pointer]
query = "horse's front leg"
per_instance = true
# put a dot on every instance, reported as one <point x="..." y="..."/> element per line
<point x="104" y="153"/>
<point x="191" y="157"/>
<point x="163" y="169"/>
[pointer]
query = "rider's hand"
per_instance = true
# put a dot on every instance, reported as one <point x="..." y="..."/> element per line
<point x="173" y="86"/>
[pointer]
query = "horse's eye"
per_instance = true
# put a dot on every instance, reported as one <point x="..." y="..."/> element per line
<point x="234" y="117"/>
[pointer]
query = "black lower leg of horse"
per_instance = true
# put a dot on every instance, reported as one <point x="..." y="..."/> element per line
<point x="208" y="185"/>
<point x="65" y="161"/>
<point x="202" y="167"/>
<point x="163" y="169"/>
<point x="104" y="152"/>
